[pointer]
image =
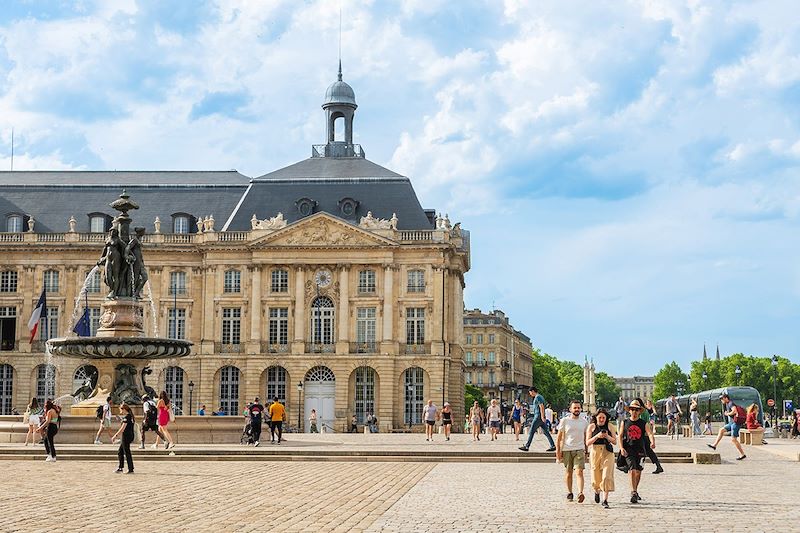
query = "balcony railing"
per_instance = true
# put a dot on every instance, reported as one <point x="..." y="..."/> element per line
<point x="337" y="149"/>
<point x="312" y="347"/>
<point x="228" y="348"/>
<point x="228" y="236"/>
<point x="38" y="346"/>
<point x="11" y="237"/>
<point x="274" y="348"/>
<point x="8" y="346"/>
<point x="416" y="235"/>
<point x="417" y="348"/>
<point x="477" y="363"/>
<point x="364" y="347"/>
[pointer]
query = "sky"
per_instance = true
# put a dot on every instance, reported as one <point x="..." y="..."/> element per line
<point x="629" y="171"/>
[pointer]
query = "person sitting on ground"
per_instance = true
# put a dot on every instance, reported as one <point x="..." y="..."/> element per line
<point x="202" y="410"/>
<point x="353" y="425"/>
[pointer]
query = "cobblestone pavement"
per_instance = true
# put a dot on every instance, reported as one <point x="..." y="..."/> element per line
<point x="754" y="495"/>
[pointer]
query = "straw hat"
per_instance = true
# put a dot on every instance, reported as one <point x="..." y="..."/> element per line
<point x="634" y="405"/>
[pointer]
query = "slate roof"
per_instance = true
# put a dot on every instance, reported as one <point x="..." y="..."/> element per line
<point x="331" y="167"/>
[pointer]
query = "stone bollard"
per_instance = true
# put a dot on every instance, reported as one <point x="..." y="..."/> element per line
<point x="707" y="458"/>
<point x="366" y="429"/>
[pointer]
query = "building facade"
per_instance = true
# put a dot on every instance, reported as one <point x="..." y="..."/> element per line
<point x="496" y="355"/>
<point x="324" y="283"/>
<point x="636" y="387"/>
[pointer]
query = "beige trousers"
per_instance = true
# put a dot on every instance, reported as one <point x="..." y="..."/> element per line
<point x="602" y="465"/>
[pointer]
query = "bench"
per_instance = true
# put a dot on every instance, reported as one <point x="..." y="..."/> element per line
<point x="753" y="437"/>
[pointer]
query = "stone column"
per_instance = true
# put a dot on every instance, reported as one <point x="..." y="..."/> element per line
<point x="254" y="346"/>
<point x="436" y="321"/>
<point x="298" y="346"/>
<point x="388" y="311"/>
<point x="343" y="340"/>
<point x="209" y="333"/>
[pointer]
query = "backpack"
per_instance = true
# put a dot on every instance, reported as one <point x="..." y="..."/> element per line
<point x="99" y="412"/>
<point x="151" y="414"/>
<point x="740" y="417"/>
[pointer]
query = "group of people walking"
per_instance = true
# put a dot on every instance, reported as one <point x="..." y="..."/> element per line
<point x="43" y="422"/>
<point x="276" y="416"/>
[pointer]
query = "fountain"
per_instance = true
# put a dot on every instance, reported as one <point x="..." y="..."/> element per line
<point x="120" y="348"/>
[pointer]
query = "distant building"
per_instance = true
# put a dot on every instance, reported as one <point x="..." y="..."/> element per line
<point x="636" y="387"/>
<point x="496" y="354"/>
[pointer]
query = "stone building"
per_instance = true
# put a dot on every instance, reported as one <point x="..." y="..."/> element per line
<point x="636" y="387"/>
<point x="496" y="355"/>
<point x="324" y="283"/>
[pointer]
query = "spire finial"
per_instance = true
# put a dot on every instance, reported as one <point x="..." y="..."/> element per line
<point x="340" y="69"/>
<point x="340" y="43"/>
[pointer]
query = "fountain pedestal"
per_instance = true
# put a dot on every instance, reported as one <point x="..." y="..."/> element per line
<point x="121" y="318"/>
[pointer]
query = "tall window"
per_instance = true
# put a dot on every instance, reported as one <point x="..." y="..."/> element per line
<point x="97" y="224"/>
<point x="366" y="281"/>
<point x="94" y="319"/>
<point x="8" y="281"/>
<point x="364" y="393"/>
<point x="413" y="378"/>
<point x="479" y="375"/>
<point x="276" y="384"/>
<point x="14" y="224"/>
<point x="491" y="358"/>
<point x="93" y="281"/>
<point x="229" y="390"/>
<point x="6" y="389"/>
<point x="180" y="224"/>
<point x="491" y="338"/>
<point x="468" y="357"/>
<point x="279" y="326"/>
<point x="50" y="324"/>
<point x="280" y="280"/>
<point x="8" y="327"/>
<point x="416" y="281"/>
<point x="469" y="338"/>
<point x="365" y="327"/>
<point x="480" y="358"/>
<point x="177" y="282"/>
<point x="479" y="338"/>
<point x="491" y="377"/>
<point x="231" y="325"/>
<point x="45" y="383"/>
<point x="415" y="325"/>
<point x="173" y="384"/>
<point x="233" y="281"/>
<point x="51" y="280"/>
<point x="468" y="377"/>
<point x="322" y="315"/>
<point x="176" y="325"/>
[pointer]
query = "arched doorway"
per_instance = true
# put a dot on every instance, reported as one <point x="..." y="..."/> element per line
<point x="364" y="392"/>
<point x="276" y="384"/>
<point x="173" y="385"/>
<point x="6" y="389"/>
<point x="320" y="394"/>
<point x="414" y="380"/>
<point x="229" y="377"/>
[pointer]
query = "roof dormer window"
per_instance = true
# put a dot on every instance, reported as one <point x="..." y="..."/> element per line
<point x="14" y="223"/>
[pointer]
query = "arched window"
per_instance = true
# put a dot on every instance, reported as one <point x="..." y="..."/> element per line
<point x="6" y="389"/>
<point x="320" y="373"/>
<point x="45" y="383"/>
<point x="414" y="381"/>
<point x="14" y="223"/>
<point x="229" y="377"/>
<point x="85" y="375"/>
<point x="322" y="320"/>
<point x="364" y="393"/>
<point x="276" y="384"/>
<point x="173" y="384"/>
<point x="180" y="224"/>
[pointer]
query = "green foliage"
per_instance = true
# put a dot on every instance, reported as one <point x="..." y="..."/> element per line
<point x="666" y="378"/>
<point x="472" y="393"/>
<point x="607" y="390"/>
<point x="562" y="381"/>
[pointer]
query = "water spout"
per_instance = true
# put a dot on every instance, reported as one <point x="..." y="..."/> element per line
<point x="79" y="299"/>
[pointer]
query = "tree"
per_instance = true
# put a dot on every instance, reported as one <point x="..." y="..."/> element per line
<point x="666" y="378"/>
<point x="471" y="394"/>
<point x="606" y="388"/>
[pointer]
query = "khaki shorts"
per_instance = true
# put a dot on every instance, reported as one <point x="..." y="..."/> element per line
<point x="574" y="459"/>
<point x="106" y="422"/>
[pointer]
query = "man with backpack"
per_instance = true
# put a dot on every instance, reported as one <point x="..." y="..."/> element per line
<point x="255" y="411"/>
<point x="103" y="414"/>
<point x="737" y="417"/>
<point x="150" y="419"/>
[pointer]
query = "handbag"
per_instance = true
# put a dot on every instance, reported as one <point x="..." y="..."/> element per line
<point x="171" y="414"/>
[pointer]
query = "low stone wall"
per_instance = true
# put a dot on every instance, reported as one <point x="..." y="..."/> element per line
<point x="185" y="429"/>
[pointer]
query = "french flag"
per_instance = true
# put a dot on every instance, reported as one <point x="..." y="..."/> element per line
<point x="39" y="312"/>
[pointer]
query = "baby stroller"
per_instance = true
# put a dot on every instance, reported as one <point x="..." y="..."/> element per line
<point x="247" y="435"/>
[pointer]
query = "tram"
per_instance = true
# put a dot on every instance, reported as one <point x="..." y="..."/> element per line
<point x="708" y="402"/>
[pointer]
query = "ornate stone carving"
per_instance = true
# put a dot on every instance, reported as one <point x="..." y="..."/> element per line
<point x="370" y="222"/>
<point x="31" y="222"/>
<point x="274" y="223"/>
<point x="72" y="223"/>
<point x="199" y="224"/>
<point x="157" y="225"/>
<point x="324" y="233"/>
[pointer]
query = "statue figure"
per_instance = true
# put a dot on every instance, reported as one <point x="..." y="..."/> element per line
<point x="31" y="222"/>
<point x="133" y="256"/>
<point x="86" y="390"/>
<point x="72" y="223"/>
<point x="393" y="221"/>
<point x="274" y="223"/>
<point x="370" y="222"/>
<point x="125" y="389"/>
<point x="116" y="270"/>
<point x="157" y="225"/>
<point x="254" y="222"/>
<point x="210" y="223"/>
<point x="150" y="391"/>
<point x="199" y="224"/>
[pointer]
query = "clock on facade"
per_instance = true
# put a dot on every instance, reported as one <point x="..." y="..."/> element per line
<point x="323" y="278"/>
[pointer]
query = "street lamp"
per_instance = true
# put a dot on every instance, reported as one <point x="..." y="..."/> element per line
<point x="774" y="386"/>
<point x="738" y="373"/>
<point x="409" y="408"/>
<point x="191" y="391"/>
<point x="299" y="393"/>
<point x="501" y="388"/>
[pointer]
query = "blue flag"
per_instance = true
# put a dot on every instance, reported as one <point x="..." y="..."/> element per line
<point x="84" y="326"/>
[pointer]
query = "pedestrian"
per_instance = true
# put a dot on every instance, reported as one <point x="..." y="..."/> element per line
<point x="49" y="428"/>
<point x="277" y="414"/>
<point x="353" y="425"/>
<point x="673" y="412"/>
<point x="707" y="427"/>
<point x="126" y="430"/>
<point x="447" y="420"/>
<point x="32" y="417"/>
<point x="537" y="412"/>
<point x="104" y="415"/>
<point x="312" y="422"/>
<point x="651" y="454"/>
<point x="202" y="410"/>
<point x="475" y="419"/>
<point x="632" y="446"/>
<point x="694" y="417"/>
<point x="650" y="409"/>
<point x="571" y="447"/>
<point x="164" y="407"/>
<point x="736" y="419"/>
<point x="494" y="415"/>
<point x="150" y="419"/>
<point x="548" y="418"/>
<point x="255" y="411"/>
<point x="515" y="417"/>
<point x="430" y="413"/>
<point x="601" y="438"/>
<point x="619" y="408"/>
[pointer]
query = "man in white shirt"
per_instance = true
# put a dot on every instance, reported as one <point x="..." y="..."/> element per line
<point x="493" y="414"/>
<point x="429" y="413"/>
<point x="571" y="447"/>
<point x="548" y="418"/>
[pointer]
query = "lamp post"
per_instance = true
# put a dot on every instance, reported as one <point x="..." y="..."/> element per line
<point x="409" y="408"/>
<point x="738" y="373"/>
<point x="299" y="402"/>
<point x="774" y="386"/>
<point x="191" y="391"/>
<point x="501" y="388"/>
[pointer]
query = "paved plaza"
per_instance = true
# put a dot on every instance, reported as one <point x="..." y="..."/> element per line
<point x="753" y="495"/>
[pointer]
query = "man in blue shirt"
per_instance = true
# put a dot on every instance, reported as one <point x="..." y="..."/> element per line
<point x="537" y="412"/>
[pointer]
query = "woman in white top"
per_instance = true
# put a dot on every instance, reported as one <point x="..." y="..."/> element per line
<point x="475" y="418"/>
<point x="32" y="417"/>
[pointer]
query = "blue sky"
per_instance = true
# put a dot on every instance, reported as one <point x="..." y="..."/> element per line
<point x="629" y="170"/>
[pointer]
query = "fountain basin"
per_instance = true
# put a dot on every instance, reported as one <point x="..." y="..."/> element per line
<point x="119" y="347"/>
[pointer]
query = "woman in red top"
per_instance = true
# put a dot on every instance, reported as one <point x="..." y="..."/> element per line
<point x="752" y="417"/>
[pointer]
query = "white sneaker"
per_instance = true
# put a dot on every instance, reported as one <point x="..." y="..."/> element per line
<point x="154" y="446"/>
<point x="97" y="441"/>
<point x="48" y="459"/>
<point x="141" y="446"/>
<point x="53" y="459"/>
<point x="256" y="444"/>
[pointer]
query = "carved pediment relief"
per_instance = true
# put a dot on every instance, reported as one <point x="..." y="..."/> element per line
<point x="322" y="230"/>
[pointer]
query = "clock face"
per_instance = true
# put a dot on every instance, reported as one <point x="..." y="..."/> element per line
<point x="323" y="278"/>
